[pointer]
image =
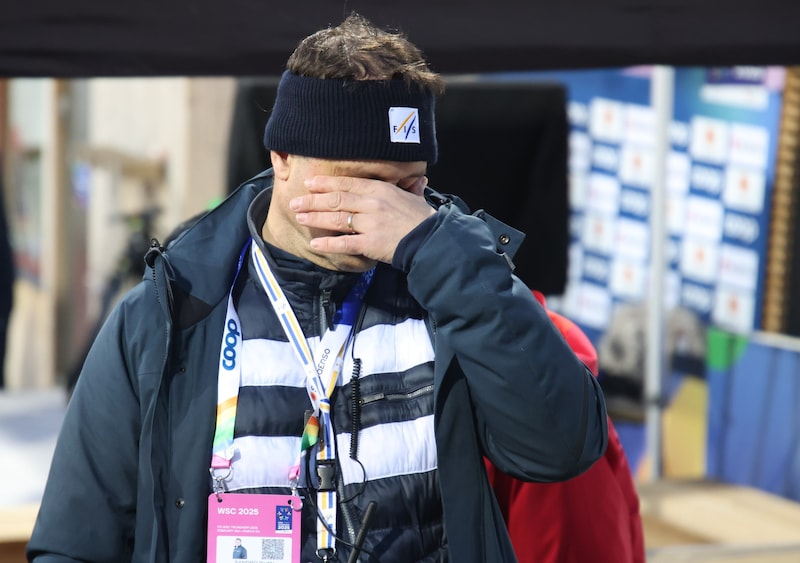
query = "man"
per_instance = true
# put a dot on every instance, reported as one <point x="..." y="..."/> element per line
<point x="239" y="551"/>
<point x="361" y="339"/>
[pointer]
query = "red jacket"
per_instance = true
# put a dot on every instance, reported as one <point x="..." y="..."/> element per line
<point x="591" y="518"/>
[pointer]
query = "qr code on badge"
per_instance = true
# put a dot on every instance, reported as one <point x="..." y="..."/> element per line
<point x="273" y="550"/>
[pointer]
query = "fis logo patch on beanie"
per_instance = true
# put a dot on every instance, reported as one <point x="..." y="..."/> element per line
<point x="403" y="125"/>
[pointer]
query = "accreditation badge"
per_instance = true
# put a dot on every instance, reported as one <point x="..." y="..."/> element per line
<point x="251" y="527"/>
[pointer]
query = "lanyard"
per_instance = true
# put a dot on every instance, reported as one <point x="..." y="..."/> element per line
<point x="321" y="377"/>
<point x="228" y="382"/>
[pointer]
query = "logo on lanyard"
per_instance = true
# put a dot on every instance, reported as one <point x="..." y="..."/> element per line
<point x="231" y="339"/>
<point x="323" y="360"/>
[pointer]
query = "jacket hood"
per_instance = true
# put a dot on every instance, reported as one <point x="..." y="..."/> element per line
<point x="197" y="256"/>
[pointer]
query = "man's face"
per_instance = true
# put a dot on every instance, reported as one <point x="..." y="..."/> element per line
<point x="289" y="183"/>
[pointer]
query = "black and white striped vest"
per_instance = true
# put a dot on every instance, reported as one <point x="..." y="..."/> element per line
<point x="383" y="416"/>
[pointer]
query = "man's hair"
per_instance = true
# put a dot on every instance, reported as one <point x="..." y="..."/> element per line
<point x="358" y="50"/>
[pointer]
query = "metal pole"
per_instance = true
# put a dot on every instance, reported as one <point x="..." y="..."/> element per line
<point x="662" y="88"/>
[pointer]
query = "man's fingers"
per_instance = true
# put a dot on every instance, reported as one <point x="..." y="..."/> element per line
<point x="332" y="201"/>
<point x="348" y="244"/>
<point x="330" y="221"/>
<point x="322" y="184"/>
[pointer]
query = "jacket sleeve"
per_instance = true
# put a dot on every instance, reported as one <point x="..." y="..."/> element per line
<point x="87" y="512"/>
<point x="539" y="413"/>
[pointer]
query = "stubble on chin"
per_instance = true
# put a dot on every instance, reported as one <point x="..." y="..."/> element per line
<point x="345" y="262"/>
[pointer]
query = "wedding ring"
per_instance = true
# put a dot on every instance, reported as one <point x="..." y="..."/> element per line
<point x="350" y="222"/>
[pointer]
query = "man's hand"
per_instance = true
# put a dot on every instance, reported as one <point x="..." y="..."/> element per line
<point x="372" y="215"/>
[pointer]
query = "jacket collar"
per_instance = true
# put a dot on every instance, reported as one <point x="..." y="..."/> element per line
<point x="203" y="258"/>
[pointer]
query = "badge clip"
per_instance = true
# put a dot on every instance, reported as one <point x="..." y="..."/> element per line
<point x="218" y="482"/>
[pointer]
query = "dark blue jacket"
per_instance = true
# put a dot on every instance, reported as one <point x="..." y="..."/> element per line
<point x="129" y="479"/>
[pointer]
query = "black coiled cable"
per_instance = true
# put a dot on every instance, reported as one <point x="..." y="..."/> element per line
<point x="355" y="407"/>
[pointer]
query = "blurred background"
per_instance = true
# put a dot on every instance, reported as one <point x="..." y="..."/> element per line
<point x="95" y="168"/>
<point x="660" y="205"/>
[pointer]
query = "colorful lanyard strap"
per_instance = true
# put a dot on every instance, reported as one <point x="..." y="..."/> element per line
<point x="321" y="377"/>
<point x="228" y="382"/>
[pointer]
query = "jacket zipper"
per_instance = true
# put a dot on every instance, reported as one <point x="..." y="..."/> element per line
<point x="324" y="302"/>
<point x="395" y="396"/>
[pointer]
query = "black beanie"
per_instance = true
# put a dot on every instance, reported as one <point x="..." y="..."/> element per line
<point x="352" y="120"/>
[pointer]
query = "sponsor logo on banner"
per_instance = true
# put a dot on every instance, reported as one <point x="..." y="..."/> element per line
<point x="603" y="194"/>
<point x="578" y="114"/>
<point x="605" y="157"/>
<point x="596" y="268"/>
<point x="699" y="259"/>
<point x="738" y="267"/>
<point x="749" y="145"/>
<point x="640" y="125"/>
<point x="632" y="239"/>
<point x="592" y="306"/>
<point x="703" y="217"/>
<point x="675" y="213"/>
<point x="736" y="75"/>
<point x="734" y="309"/>
<point x="606" y="120"/>
<point x="598" y="233"/>
<point x="741" y="227"/>
<point x="628" y="279"/>
<point x="678" y="166"/>
<point x="679" y="134"/>
<point x="709" y="140"/>
<point x="580" y="148"/>
<point x="638" y="166"/>
<point x="697" y="297"/>
<point x="707" y="179"/>
<point x="635" y="202"/>
<point x="745" y="189"/>
<point x="745" y="97"/>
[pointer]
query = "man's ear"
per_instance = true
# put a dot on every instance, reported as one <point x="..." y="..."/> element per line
<point x="280" y="164"/>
